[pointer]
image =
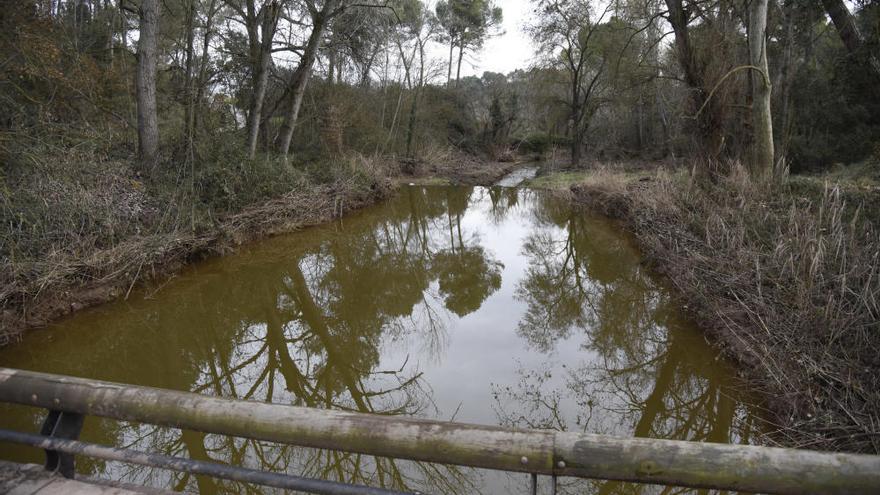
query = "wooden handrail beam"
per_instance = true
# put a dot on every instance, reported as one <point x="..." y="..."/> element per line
<point x="644" y="460"/>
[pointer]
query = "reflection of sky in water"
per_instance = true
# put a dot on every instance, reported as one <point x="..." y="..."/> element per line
<point x="483" y="305"/>
<point x="483" y="348"/>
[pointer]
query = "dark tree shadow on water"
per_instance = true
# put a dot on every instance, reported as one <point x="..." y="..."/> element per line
<point x="302" y="321"/>
<point x="647" y="372"/>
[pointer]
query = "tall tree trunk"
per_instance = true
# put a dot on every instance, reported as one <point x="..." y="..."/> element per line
<point x="576" y="136"/>
<point x="111" y="29"/>
<point x="708" y="121"/>
<point x="263" y="52"/>
<point x="458" y="69"/>
<point x="413" y="111"/>
<point x="575" y="116"/>
<point x="145" y="83"/>
<point x="762" y="120"/>
<point x="678" y="19"/>
<point x="203" y="64"/>
<point x="850" y="35"/>
<point x="786" y="80"/>
<point x="300" y="79"/>
<point x="411" y="127"/>
<point x="188" y="85"/>
<point x="331" y="65"/>
<point x="640" y="119"/>
<point x="449" y="70"/>
<point x="123" y="27"/>
<point x="365" y="73"/>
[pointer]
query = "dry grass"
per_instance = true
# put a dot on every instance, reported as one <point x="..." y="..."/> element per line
<point x="786" y="283"/>
<point x="453" y="166"/>
<point x="80" y="230"/>
<point x="80" y="237"/>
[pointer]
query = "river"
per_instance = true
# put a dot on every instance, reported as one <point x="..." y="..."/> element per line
<point x="485" y="305"/>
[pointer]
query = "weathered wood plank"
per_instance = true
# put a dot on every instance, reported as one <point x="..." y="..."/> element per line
<point x="731" y="467"/>
<point x="713" y="465"/>
<point x="406" y="438"/>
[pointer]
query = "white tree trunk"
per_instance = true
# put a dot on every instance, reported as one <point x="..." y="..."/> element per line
<point x="762" y="121"/>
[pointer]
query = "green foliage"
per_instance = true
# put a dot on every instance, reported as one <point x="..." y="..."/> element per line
<point x="236" y="183"/>
<point x="54" y="75"/>
<point x="467" y="23"/>
<point x="536" y="143"/>
<point x="836" y="109"/>
<point x="466" y="278"/>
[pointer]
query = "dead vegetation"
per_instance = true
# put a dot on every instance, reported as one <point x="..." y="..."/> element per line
<point x="79" y="234"/>
<point x="80" y="230"/>
<point x="785" y="281"/>
<point x="454" y="166"/>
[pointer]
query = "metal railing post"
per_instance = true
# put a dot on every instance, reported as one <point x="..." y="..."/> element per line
<point x="65" y="425"/>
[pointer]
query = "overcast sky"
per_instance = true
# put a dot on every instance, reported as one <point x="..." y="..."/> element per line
<point x="513" y="50"/>
<point x="508" y="52"/>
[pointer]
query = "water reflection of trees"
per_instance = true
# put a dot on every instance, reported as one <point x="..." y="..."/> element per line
<point x="304" y="321"/>
<point x="466" y="275"/>
<point x="325" y="319"/>
<point x="647" y="372"/>
<point x="321" y="317"/>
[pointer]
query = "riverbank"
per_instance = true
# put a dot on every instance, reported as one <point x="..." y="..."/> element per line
<point x="785" y="282"/>
<point x="84" y="232"/>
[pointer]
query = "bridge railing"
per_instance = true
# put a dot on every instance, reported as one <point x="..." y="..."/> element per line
<point x="538" y="452"/>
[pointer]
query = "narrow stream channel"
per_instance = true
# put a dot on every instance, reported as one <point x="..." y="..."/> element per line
<point x="518" y="176"/>
<point x="485" y="305"/>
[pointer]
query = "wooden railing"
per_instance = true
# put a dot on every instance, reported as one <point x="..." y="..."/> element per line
<point x="668" y="462"/>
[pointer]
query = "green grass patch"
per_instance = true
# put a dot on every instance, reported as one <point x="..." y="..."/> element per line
<point x="568" y="178"/>
<point x="559" y="180"/>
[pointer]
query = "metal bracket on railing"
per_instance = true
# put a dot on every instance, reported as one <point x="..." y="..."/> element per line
<point x="534" y="486"/>
<point x="64" y="425"/>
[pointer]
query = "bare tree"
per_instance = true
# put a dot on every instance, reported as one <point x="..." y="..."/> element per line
<point x="189" y="94"/>
<point x="565" y="32"/>
<point x="300" y="78"/>
<point x="201" y="78"/>
<point x="260" y="22"/>
<point x="415" y="25"/>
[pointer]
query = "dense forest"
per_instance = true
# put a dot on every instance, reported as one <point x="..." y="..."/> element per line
<point x="184" y="85"/>
<point x="738" y="139"/>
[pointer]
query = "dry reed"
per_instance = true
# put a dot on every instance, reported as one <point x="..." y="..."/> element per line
<point x="786" y="284"/>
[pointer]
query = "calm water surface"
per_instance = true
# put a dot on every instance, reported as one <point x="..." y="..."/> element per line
<point x="485" y="305"/>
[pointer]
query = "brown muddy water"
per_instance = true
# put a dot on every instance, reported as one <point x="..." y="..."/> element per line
<point x="484" y="305"/>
